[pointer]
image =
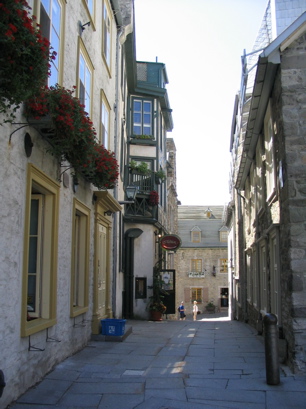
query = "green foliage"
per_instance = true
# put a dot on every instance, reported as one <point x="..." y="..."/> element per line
<point x="74" y="137"/>
<point x="25" y="56"/>
<point x="141" y="168"/>
<point x="160" y="174"/>
<point x="156" y="300"/>
<point x="143" y="137"/>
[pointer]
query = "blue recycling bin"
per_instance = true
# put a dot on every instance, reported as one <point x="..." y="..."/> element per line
<point x="111" y="326"/>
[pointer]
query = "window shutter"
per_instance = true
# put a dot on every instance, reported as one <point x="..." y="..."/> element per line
<point x="82" y="93"/>
<point x="186" y="295"/>
<point x="205" y="295"/>
<point x="44" y="23"/>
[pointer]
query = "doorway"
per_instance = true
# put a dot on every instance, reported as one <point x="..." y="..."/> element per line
<point x="224" y="297"/>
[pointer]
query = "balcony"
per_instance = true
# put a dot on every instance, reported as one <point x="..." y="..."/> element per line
<point x="145" y="183"/>
<point x="140" y="211"/>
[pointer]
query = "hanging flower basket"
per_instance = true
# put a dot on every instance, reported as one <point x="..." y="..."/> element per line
<point x="44" y="125"/>
<point x="74" y="136"/>
<point x="25" y="56"/>
<point x="153" y="198"/>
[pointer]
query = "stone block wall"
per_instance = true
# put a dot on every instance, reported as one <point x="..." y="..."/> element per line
<point x="210" y="284"/>
<point x="293" y="210"/>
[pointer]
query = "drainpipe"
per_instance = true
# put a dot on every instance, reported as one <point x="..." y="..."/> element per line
<point x="128" y="292"/>
<point x="116" y="151"/>
<point x="241" y="262"/>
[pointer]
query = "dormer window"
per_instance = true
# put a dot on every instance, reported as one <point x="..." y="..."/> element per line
<point x="196" y="235"/>
<point x="223" y="234"/>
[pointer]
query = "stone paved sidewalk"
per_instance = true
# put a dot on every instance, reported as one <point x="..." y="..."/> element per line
<point x="209" y="364"/>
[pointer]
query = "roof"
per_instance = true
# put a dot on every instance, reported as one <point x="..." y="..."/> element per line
<point x="195" y="218"/>
<point x="268" y="62"/>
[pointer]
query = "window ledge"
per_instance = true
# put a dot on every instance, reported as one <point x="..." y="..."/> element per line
<point x="37" y="325"/>
<point x="142" y="141"/>
<point x="76" y="311"/>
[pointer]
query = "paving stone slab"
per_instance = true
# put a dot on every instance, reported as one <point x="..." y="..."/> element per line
<point x="207" y="394"/>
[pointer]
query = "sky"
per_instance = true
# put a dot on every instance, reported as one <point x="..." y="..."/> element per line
<point x="201" y="43"/>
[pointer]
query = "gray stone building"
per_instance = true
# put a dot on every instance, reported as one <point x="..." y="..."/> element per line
<point x="267" y="215"/>
<point x="201" y="262"/>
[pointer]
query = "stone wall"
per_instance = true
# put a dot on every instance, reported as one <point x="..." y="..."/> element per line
<point x="293" y="211"/>
<point x="210" y="284"/>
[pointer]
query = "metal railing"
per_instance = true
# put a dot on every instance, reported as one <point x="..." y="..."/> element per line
<point x="145" y="183"/>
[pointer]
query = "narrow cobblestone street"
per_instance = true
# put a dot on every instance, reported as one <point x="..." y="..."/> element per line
<point x="209" y="364"/>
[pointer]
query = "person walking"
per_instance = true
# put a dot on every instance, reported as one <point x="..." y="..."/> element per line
<point x="181" y="310"/>
<point x="195" y="310"/>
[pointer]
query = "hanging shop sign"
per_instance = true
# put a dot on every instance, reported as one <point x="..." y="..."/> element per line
<point x="170" y="242"/>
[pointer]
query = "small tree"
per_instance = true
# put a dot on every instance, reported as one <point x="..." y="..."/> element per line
<point x="156" y="300"/>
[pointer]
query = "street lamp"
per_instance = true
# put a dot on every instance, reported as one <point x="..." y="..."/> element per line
<point x="130" y="192"/>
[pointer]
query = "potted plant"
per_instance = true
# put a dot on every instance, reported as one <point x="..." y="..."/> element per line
<point x="143" y="140"/>
<point x="142" y="168"/>
<point x="156" y="306"/>
<point x="210" y="307"/>
<point x="73" y="135"/>
<point x="160" y="175"/>
<point x="153" y="198"/>
<point x="133" y="165"/>
<point x="25" y="56"/>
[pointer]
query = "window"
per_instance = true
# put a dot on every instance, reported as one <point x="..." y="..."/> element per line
<point x="90" y="5"/>
<point x="224" y="297"/>
<point x="223" y="265"/>
<point x="40" y="253"/>
<point x="140" y="288"/>
<point x="142" y="117"/>
<point x="258" y="177"/>
<point x="275" y="277"/>
<point x="50" y="26"/>
<point x="263" y="276"/>
<point x="254" y="277"/>
<point x="248" y="276"/>
<point x="105" y="116"/>
<point x="106" y="44"/>
<point x="270" y="166"/>
<point x="85" y="80"/>
<point x="223" y="236"/>
<point x="252" y="193"/>
<point x="196" y="265"/>
<point x="248" y="204"/>
<point x="196" y="235"/>
<point x="80" y="259"/>
<point x="196" y="294"/>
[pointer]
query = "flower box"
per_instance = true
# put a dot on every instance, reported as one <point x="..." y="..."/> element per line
<point x="44" y="125"/>
<point x="60" y="117"/>
<point x="142" y="141"/>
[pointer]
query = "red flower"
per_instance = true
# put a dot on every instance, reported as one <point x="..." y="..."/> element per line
<point x="153" y="198"/>
<point x="75" y="136"/>
<point x="27" y="56"/>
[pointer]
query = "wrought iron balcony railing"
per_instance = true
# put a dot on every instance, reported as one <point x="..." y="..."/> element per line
<point x="145" y="183"/>
<point x="141" y="209"/>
